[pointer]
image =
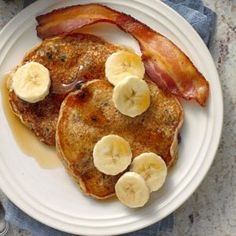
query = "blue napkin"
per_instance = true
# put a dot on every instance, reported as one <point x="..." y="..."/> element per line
<point x="200" y="17"/>
<point x="203" y="21"/>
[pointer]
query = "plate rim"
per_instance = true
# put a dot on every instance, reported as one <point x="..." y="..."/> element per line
<point x="185" y="27"/>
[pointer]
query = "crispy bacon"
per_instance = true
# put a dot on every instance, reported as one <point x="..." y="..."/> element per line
<point x="164" y="62"/>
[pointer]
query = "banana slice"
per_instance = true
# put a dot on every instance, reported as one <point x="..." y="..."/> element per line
<point x="31" y="82"/>
<point x="132" y="190"/>
<point x="152" y="168"/>
<point x="112" y="154"/>
<point x="131" y="96"/>
<point x="122" y="64"/>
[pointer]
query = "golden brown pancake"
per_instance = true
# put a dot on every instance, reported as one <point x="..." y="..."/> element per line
<point x="68" y="58"/>
<point x="89" y="114"/>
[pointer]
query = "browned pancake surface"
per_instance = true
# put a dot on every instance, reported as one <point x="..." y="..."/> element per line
<point x="68" y="58"/>
<point x="89" y="114"/>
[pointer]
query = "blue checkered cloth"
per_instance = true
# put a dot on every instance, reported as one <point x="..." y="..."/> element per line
<point x="203" y="21"/>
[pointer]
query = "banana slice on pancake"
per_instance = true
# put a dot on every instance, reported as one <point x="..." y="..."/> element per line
<point x="131" y="96"/>
<point x="112" y="154"/>
<point x="132" y="190"/>
<point x="121" y="64"/>
<point x="152" y="168"/>
<point x="31" y="82"/>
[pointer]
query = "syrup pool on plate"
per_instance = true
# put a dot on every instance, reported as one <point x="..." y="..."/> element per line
<point x="45" y="155"/>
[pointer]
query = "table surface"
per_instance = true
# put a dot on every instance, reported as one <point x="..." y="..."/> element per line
<point x="211" y="210"/>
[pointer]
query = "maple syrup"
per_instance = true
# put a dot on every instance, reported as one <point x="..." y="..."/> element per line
<point x="45" y="155"/>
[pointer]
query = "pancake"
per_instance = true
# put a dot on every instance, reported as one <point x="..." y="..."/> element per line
<point x="89" y="114"/>
<point x="68" y="58"/>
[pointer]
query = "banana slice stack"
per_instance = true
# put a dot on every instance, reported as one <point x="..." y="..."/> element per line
<point x="131" y="95"/>
<point x="112" y="155"/>
<point x="147" y="174"/>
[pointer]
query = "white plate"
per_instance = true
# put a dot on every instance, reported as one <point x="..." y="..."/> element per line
<point x="49" y="195"/>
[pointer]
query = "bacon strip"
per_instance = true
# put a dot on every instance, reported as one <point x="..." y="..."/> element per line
<point x="164" y="62"/>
